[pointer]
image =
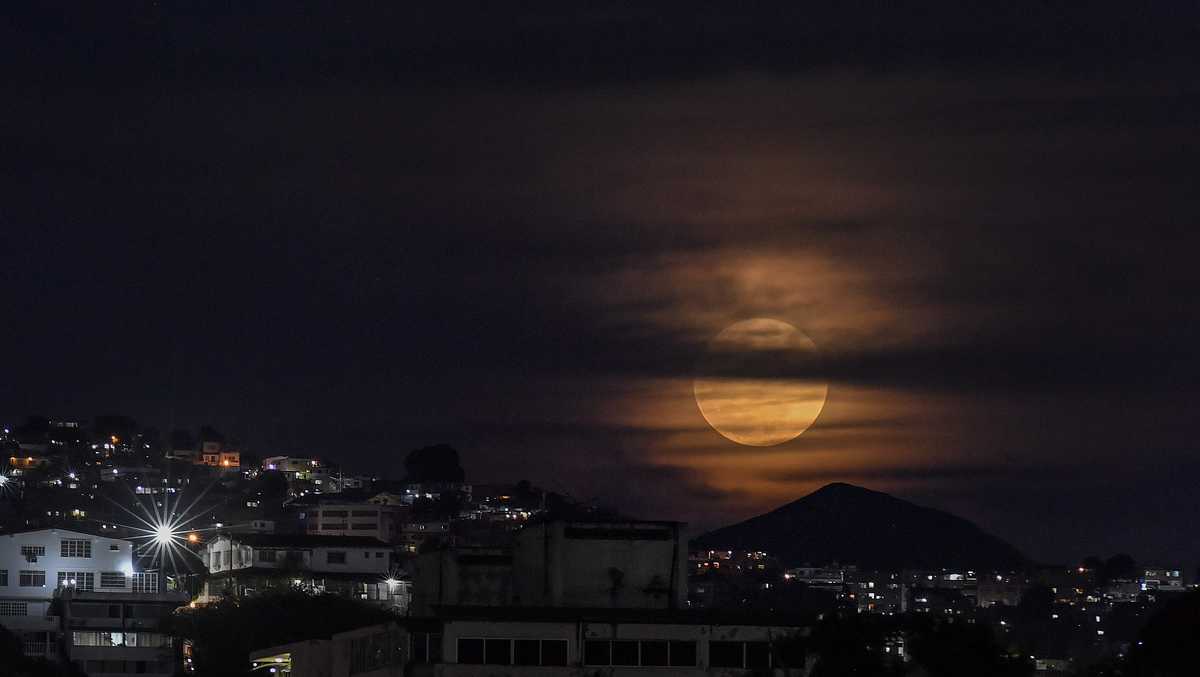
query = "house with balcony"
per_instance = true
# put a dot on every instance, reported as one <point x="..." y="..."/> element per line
<point x="358" y="567"/>
<point x="87" y="598"/>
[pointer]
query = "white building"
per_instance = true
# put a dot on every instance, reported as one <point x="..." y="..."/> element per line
<point x="353" y="566"/>
<point x="383" y="522"/>
<point x="83" y="572"/>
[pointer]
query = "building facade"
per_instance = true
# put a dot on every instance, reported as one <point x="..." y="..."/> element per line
<point x="358" y="567"/>
<point x="73" y="595"/>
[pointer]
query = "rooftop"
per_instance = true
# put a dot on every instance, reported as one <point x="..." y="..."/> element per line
<point x="305" y="541"/>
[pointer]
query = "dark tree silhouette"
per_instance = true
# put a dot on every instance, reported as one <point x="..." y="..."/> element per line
<point x="1167" y="644"/>
<point x="953" y="649"/>
<point x="226" y="632"/>
<point x="437" y="463"/>
<point x="272" y="485"/>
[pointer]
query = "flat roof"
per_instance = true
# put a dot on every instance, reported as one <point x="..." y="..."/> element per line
<point x="305" y="541"/>
<point x="515" y="614"/>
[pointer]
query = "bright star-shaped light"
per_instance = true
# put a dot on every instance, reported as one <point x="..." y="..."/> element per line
<point x="163" y="534"/>
<point x="3" y="480"/>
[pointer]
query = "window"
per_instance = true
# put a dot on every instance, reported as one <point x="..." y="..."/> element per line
<point x="527" y="652"/>
<point x="379" y="555"/>
<point x="332" y="526"/>
<point x="470" y="651"/>
<point x="76" y="547"/>
<point x="751" y="655"/>
<point x="628" y="652"/>
<point x="554" y="652"/>
<point x="3" y="578"/>
<point x="333" y="513"/>
<point x="655" y="653"/>
<point x="33" y="579"/>
<point x="362" y="513"/>
<point x="498" y="652"/>
<point x="725" y="654"/>
<point x="476" y="651"/>
<point x="80" y="580"/>
<point x="426" y="647"/>
<point x="624" y="652"/>
<point x="758" y="655"/>
<point x="32" y="552"/>
<point x="145" y="582"/>
<point x="114" y="548"/>
<point x="366" y="555"/>
<point x="373" y="652"/>
<point x="13" y="608"/>
<point x="597" y="652"/>
<point x="363" y="526"/>
<point x="112" y="579"/>
<point x="266" y="555"/>
<point x="336" y="557"/>
<point x="683" y="654"/>
<point x="150" y="640"/>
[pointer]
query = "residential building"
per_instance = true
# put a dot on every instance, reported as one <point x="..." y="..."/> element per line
<point x="414" y="535"/>
<point x="631" y="564"/>
<point x="500" y="642"/>
<point x="293" y="468"/>
<point x="1163" y="579"/>
<point x="372" y="651"/>
<point x="58" y="583"/>
<point x="120" y="632"/>
<point x="383" y="522"/>
<point x="354" y="566"/>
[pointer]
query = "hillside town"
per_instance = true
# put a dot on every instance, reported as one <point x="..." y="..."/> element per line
<point x="123" y="552"/>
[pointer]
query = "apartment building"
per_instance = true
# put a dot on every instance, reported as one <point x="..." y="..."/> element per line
<point x="359" y="567"/>
<point x="73" y="595"/>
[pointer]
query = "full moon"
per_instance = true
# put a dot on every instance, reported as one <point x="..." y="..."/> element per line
<point x="752" y="387"/>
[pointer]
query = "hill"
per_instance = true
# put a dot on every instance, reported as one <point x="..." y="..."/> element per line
<point x="852" y="525"/>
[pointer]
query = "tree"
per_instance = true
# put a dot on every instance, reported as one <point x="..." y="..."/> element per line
<point x="1119" y="566"/>
<point x="437" y="463"/>
<point x="952" y="649"/>
<point x="272" y="486"/>
<point x="852" y="645"/>
<point x="1036" y="603"/>
<point x="1167" y="644"/>
<point x="224" y="633"/>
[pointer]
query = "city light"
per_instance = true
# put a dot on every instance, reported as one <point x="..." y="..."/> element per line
<point x="162" y="534"/>
<point x="163" y="528"/>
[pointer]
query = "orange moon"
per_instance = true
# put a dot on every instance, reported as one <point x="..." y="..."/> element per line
<point x="738" y="395"/>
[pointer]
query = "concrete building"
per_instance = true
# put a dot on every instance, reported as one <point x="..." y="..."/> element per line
<point x="107" y="632"/>
<point x="372" y="651"/>
<point x="76" y="596"/>
<point x="353" y="566"/>
<point x="414" y="535"/>
<point x="372" y="520"/>
<point x="631" y="565"/>
<point x="499" y="642"/>
<point x="1163" y="579"/>
<point x="293" y="468"/>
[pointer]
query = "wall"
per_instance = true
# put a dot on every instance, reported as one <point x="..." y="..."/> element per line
<point x="611" y="565"/>
<point x="103" y="559"/>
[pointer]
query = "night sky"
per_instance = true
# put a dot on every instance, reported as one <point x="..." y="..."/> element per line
<point x="353" y="230"/>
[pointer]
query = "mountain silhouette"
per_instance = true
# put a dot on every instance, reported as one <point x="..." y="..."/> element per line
<point x="852" y="525"/>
